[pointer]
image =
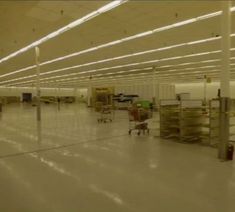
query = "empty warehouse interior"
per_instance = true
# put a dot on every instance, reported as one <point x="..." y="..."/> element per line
<point x="117" y="106"/>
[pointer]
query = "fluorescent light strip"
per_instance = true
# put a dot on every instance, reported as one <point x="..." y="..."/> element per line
<point x="178" y="57"/>
<point x="97" y="79"/>
<point x="203" y="17"/>
<point x="66" y="28"/>
<point x="217" y="74"/>
<point x="131" y="79"/>
<point x="140" y="63"/>
<point x="159" y="76"/>
<point x="191" y="74"/>
<point x="133" y="70"/>
<point x="110" y="73"/>
<point x="140" y="35"/>
<point x="119" y="66"/>
<point x="119" y="78"/>
<point x="119" y="57"/>
<point x="85" y="77"/>
<point x="140" y="69"/>
<point x="112" y="59"/>
<point x="18" y="71"/>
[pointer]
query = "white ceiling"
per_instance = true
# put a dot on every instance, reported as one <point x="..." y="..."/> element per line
<point x="22" y="22"/>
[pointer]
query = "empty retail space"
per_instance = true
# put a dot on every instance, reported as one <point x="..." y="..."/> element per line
<point x="117" y="106"/>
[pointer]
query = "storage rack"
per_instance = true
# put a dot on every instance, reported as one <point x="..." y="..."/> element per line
<point x="181" y="120"/>
<point x="211" y="126"/>
<point x="232" y="121"/>
<point x="169" y="118"/>
<point x="191" y="119"/>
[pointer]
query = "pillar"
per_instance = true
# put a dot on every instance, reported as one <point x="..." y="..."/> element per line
<point x="225" y="80"/>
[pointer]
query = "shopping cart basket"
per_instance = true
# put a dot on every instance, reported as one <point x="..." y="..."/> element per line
<point x="106" y="114"/>
<point x="138" y="119"/>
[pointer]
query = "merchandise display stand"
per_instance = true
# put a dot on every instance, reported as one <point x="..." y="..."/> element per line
<point x="211" y="126"/>
<point x="181" y="120"/>
<point x="169" y="118"/>
<point x="191" y="119"/>
<point x="232" y="121"/>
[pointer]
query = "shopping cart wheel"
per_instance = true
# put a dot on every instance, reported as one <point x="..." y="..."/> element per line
<point x="138" y="133"/>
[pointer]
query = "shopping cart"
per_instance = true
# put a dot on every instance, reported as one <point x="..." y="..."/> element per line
<point x="138" y="119"/>
<point x="106" y="114"/>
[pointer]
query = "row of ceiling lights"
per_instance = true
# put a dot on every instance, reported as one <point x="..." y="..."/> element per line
<point x="122" y="66"/>
<point x="134" y="77"/>
<point x="107" y="75"/>
<point x="66" y="28"/>
<point x="140" y="35"/>
<point x="146" y="77"/>
<point x="127" y="39"/>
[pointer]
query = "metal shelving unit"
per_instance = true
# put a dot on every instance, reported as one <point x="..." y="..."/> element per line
<point x="211" y="127"/>
<point x="169" y="118"/>
<point x="181" y="120"/>
<point x="191" y="119"/>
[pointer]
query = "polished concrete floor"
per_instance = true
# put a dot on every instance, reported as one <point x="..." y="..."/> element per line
<point x="78" y="165"/>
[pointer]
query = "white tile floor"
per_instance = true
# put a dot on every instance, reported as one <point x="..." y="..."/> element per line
<point x="82" y="166"/>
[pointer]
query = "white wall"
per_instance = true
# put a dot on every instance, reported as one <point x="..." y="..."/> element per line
<point x="166" y="91"/>
<point x="196" y="90"/>
<point x="80" y="92"/>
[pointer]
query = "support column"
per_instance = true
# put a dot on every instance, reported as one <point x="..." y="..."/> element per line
<point x="38" y="93"/>
<point x="158" y="92"/>
<point x="225" y="80"/>
<point x="205" y="89"/>
<point x="75" y="93"/>
<point x="154" y="85"/>
<point x="89" y="93"/>
<point x="59" y="95"/>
